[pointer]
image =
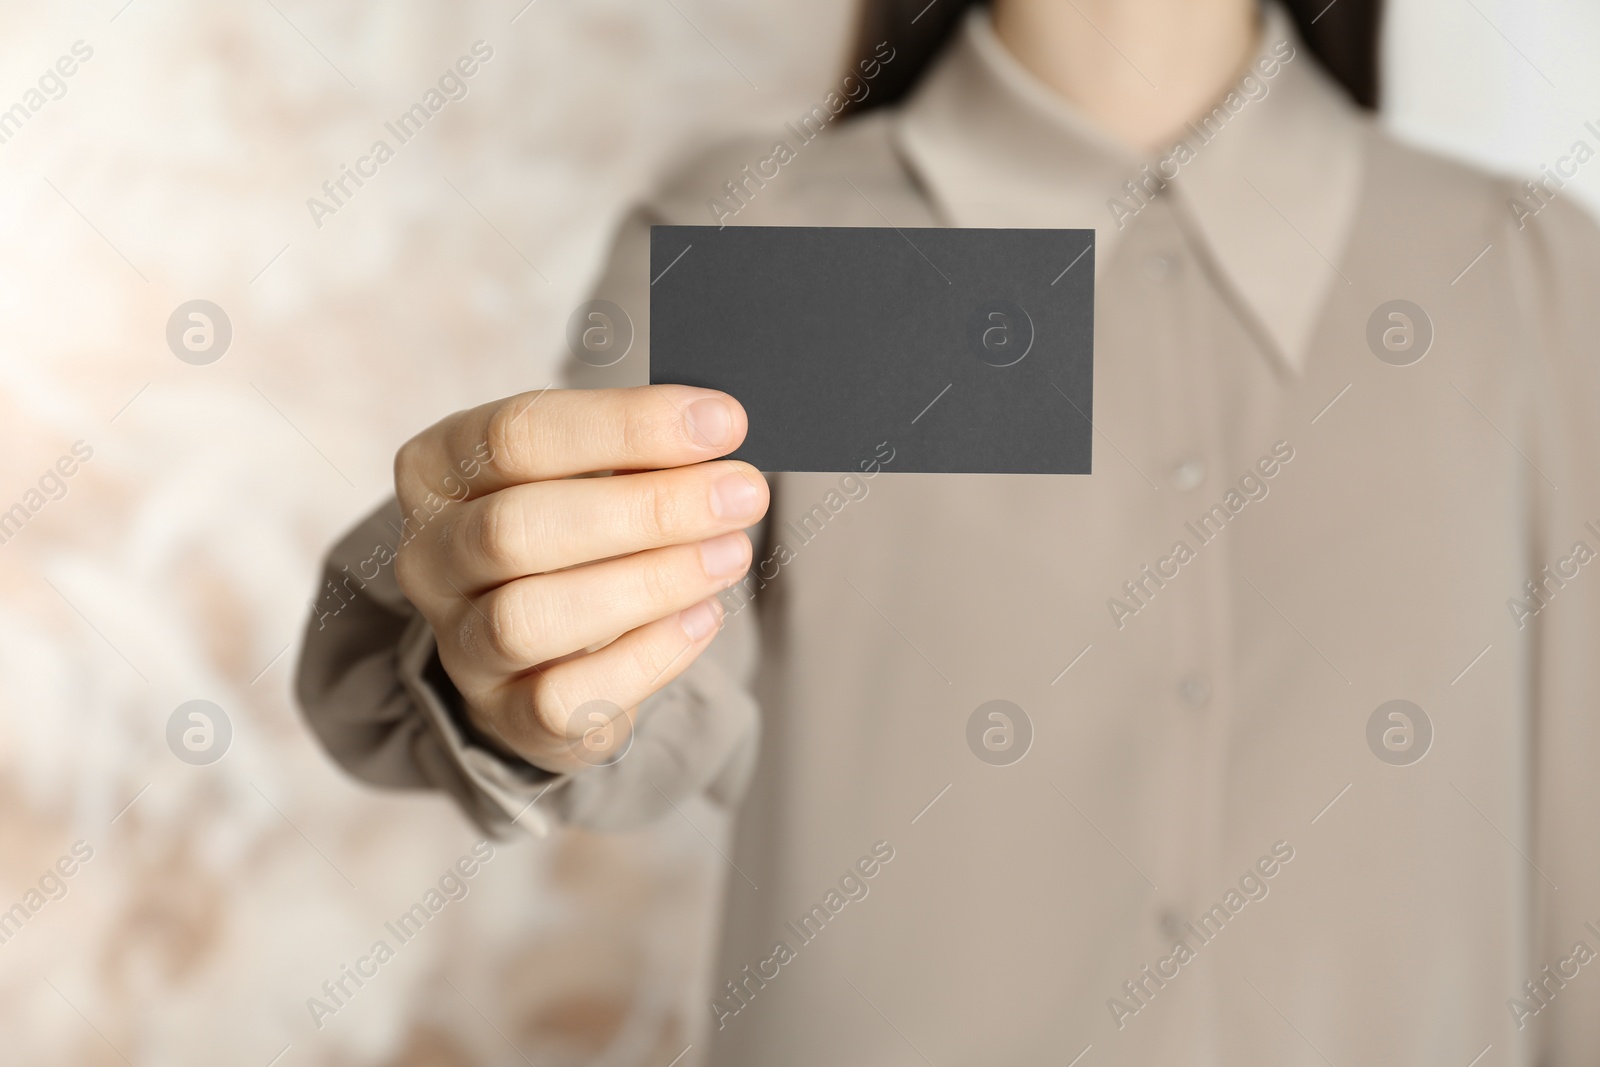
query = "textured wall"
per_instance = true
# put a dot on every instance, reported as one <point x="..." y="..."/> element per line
<point x="175" y="563"/>
<point x="175" y="165"/>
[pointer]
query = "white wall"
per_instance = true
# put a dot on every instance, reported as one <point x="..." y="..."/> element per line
<point x="1507" y="84"/>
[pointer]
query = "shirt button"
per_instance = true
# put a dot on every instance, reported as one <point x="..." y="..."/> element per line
<point x="1159" y="267"/>
<point x="1195" y="690"/>
<point x="1188" y="475"/>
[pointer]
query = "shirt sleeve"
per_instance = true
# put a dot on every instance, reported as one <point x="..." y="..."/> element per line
<point x="372" y="688"/>
<point x="1556" y="266"/>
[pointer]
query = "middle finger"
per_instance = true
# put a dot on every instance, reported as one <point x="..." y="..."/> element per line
<point x="547" y="526"/>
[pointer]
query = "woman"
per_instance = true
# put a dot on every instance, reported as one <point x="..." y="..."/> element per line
<point x="1296" y="728"/>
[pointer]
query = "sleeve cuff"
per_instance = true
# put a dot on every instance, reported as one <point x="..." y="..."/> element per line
<point x="514" y="785"/>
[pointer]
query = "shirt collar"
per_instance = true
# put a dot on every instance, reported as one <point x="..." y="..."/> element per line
<point x="1269" y="194"/>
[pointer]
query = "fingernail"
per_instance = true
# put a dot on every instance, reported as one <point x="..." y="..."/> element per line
<point x="733" y="498"/>
<point x="710" y="423"/>
<point x="700" y="621"/>
<point x="722" y="556"/>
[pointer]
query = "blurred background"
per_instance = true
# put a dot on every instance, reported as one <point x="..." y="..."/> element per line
<point x="176" y="562"/>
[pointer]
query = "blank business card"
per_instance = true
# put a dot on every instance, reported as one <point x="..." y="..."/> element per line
<point x="967" y="351"/>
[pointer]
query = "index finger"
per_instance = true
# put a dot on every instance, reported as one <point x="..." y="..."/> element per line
<point x="558" y="433"/>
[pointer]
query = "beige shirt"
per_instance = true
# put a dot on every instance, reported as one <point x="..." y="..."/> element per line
<point x="1199" y="832"/>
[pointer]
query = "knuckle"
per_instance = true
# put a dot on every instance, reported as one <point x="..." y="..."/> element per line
<point x="503" y="626"/>
<point x="507" y="438"/>
<point x="546" y="708"/>
<point x="658" y="514"/>
<point x="661" y="580"/>
<point x="650" y="660"/>
<point x="446" y="540"/>
<point x="409" y="572"/>
<point x="641" y="429"/>
<point x="408" y="464"/>
<point x="493" y="535"/>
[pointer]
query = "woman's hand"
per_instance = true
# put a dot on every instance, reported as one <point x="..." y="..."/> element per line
<point x="560" y="602"/>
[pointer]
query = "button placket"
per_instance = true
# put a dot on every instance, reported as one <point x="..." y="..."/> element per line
<point x="1188" y="474"/>
<point x="1195" y="689"/>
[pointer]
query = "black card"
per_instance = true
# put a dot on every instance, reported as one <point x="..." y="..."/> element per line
<point x="968" y="351"/>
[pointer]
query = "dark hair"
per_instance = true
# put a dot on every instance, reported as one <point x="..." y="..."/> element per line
<point x="1343" y="35"/>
